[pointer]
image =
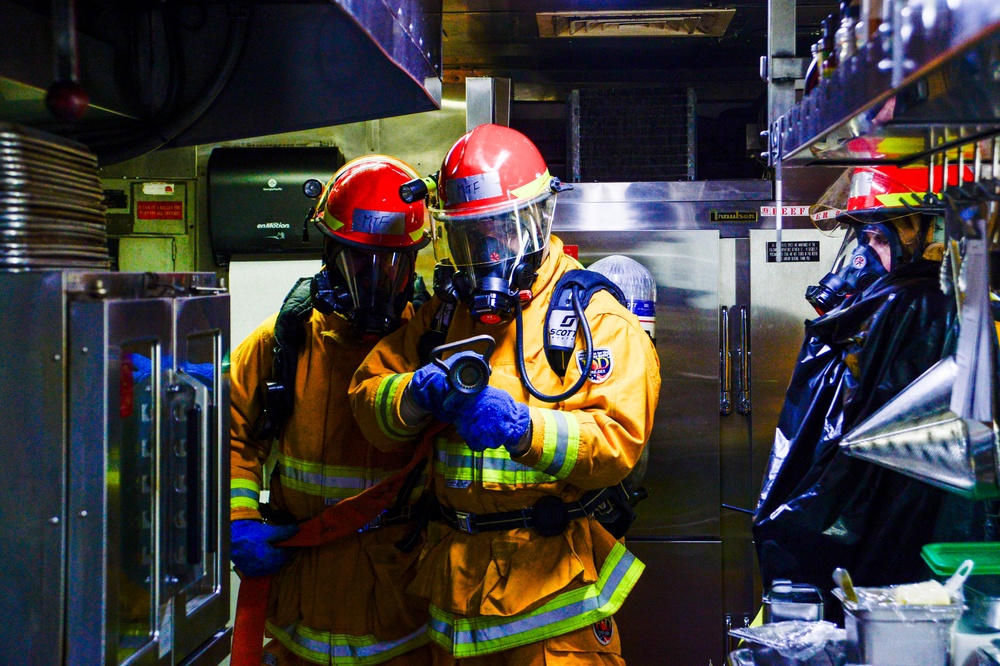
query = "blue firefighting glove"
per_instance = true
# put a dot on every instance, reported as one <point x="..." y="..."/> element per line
<point x="494" y="420"/>
<point x="252" y="551"/>
<point x="430" y="388"/>
<point x="204" y="372"/>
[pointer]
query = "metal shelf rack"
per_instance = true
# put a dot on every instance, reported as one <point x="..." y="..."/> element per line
<point x="926" y="84"/>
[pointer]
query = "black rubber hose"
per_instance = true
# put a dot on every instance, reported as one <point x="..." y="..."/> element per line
<point x="588" y="347"/>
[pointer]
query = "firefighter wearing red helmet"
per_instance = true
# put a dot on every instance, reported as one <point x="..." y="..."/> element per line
<point x="345" y="601"/>
<point x="885" y="321"/>
<point x="515" y="565"/>
<point x="881" y="210"/>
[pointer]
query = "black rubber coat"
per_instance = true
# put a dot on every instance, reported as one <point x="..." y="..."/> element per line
<point x="819" y="508"/>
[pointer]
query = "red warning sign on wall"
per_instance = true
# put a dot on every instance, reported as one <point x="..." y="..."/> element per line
<point x="159" y="210"/>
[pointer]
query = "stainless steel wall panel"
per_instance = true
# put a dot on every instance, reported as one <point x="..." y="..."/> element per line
<point x="777" y="326"/>
<point x="33" y="473"/>
<point x="674" y="615"/>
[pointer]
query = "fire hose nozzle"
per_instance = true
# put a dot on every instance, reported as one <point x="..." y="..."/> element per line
<point x="469" y="374"/>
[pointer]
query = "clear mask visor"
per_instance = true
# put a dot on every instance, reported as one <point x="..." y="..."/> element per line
<point x="493" y="241"/>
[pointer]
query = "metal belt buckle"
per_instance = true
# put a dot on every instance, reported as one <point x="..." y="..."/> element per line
<point x="464" y="520"/>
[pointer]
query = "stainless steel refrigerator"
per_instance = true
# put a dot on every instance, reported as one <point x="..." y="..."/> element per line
<point x="115" y="426"/>
<point x="729" y="322"/>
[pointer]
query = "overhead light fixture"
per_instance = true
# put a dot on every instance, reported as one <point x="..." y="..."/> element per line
<point x="639" y="23"/>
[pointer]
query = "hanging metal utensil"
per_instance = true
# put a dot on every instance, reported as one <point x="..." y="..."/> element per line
<point x="66" y="99"/>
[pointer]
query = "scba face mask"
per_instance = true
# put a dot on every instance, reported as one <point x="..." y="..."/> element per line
<point x="496" y="254"/>
<point x="369" y="289"/>
<point x="861" y="269"/>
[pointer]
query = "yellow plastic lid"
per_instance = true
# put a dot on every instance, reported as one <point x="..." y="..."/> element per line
<point x="944" y="558"/>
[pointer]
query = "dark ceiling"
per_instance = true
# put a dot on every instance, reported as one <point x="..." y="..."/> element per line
<point x="139" y="57"/>
<point x="501" y="38"/>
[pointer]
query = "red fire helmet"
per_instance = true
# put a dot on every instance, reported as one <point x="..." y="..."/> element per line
<point x="491" y="166"/>
<point x="360" y="206"/>
<point x="885" y="188"/>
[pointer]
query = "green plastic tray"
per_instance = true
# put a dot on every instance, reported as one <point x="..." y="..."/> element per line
<point x="944" y="558"/>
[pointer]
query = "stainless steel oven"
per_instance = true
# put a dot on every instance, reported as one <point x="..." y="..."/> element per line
<point x="115" y="432"/>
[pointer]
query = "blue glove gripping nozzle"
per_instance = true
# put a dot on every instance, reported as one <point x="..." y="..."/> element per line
<point x="494" y="420"/>
<point x="252" y="549"/>
<point x="446" y="387"/>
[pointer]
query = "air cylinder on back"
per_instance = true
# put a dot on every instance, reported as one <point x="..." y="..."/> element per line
<point x="636" y="282"/>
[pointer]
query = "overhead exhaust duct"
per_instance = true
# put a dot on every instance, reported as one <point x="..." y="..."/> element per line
<point x="638" y="23"/>
<point x="227" y="71"/>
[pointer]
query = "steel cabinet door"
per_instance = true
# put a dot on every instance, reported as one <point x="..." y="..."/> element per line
<point x="777" y="322"/>
<point x="117" y="612"/>
<point x="682" y="478"/>
<point x="199" y="466"/>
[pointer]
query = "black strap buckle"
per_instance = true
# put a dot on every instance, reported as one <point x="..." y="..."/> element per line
<point x="549" y="516"/>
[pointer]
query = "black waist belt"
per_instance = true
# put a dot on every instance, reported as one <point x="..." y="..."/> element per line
<point x="549" y="516"/>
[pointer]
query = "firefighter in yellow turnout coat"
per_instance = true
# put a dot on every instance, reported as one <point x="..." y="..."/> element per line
<point x="513" y="594"/>
<point x="343" y="602"/>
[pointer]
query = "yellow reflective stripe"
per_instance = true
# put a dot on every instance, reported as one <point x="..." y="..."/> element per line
<point x="327" y="648"/>
<point x="330" y="481"/>
<point x="569" y="611"/>
<point x="457" y="462"/>
<point x="244" y="494"/>
<point x="244" y="484"/>
<point x="560" y="444"/>
<point x="534" y="188"/>
<point x="385" y="399"/>
<point x="327" y="481"/>
<point x="244" y="503"/>
<point x="896" y="200"/>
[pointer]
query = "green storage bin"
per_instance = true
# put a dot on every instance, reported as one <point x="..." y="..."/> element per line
<point x="944" y="558"/>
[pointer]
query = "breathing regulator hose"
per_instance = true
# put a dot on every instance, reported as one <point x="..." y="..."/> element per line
<point x="588" y="347"/>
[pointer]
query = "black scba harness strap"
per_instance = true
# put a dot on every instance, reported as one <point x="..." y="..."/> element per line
<point x="278" y="393"/>
<point x="549" y="516"/>
<point x="561" y="323"/>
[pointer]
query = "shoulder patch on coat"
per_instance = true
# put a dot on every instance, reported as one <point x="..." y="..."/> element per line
<point x="604" y="630"/>
<point x="600" y="366"/>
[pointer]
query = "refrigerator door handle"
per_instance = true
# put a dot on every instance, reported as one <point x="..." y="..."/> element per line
<point x="725" y="366"/>
<point x="743" y="405"/>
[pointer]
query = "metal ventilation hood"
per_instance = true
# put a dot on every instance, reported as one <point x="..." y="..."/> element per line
<point x="317" y="65"/>
<point x="637" y="23"/>
<point x="248" y="69"/>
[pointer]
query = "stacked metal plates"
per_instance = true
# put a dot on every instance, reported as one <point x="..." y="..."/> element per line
<point x="52" y="214"/>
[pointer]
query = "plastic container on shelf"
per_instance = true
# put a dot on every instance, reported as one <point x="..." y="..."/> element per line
<point x="982" y="588"/>
<point x="792" y="601"/>
<point x="888" y="633"/>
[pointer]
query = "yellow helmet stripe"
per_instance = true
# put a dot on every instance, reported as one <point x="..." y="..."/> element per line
<point x="534" y="188"/>
<point x="896" y="199"/>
